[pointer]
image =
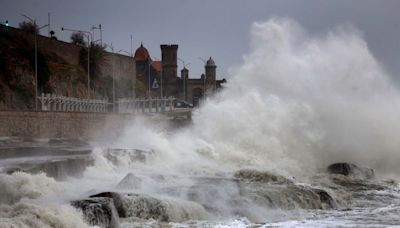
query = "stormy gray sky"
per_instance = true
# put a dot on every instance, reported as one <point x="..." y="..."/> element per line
<point x="217" y="28"/>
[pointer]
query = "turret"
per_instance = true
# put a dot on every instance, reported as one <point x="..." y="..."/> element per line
<point x="169" y="61"/>
<point x="185" y="77"/>
<point x="210" y="69"/>
<point x="184" y="73"/>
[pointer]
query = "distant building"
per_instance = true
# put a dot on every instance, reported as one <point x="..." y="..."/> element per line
<point x="162" y="76"/>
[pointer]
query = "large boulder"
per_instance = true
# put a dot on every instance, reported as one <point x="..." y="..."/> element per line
<point x="274" y="191"/>
<point x="147" y="207"/>
<point x="120" y="157"/>
<point x="117" y="200"/>
<point x="130" y="181"/>
<point x="99" y="211"/>
<point x="162" y="209"/>
<point x="327" y="200"/>
<point x="349" y="169"/>
<point x="261" y="176"/>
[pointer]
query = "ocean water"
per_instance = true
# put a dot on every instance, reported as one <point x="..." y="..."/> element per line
<point x="255" y="155"/>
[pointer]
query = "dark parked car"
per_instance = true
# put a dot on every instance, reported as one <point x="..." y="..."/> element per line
<point x="182" y="104"/>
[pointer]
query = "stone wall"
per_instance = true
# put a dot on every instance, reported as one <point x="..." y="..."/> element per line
<point x="73" y="125"/>
<point x="124" y="73"/>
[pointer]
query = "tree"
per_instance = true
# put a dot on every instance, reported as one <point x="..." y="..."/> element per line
<point x="29" y="27"/>
<point x="78" y="38"/>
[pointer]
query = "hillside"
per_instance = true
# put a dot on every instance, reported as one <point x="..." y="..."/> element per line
<point x="61" y="70"/>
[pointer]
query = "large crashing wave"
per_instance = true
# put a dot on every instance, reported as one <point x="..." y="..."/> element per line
<point x="35" y="201"/>
<point x="297" y="103"/>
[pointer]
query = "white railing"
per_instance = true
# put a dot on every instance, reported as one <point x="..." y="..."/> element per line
<point x="145" y="105"/>
<point x="51" y="102"/>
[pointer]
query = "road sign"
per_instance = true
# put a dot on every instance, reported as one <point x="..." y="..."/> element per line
<point x="155" y="84"/>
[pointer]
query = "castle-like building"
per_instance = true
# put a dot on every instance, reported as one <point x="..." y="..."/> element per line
<point x="160" y="78"/>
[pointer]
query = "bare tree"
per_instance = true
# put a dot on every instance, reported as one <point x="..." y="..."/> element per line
<point x="29" y="27"/>
<point x="78" y="38"/>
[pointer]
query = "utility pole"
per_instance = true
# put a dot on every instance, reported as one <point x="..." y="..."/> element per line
<point x="101" y="33"/>
<point x="90" y="39"/>
<point x="113" y="71"/>
<point x="184" y="78"/>
<point x="149" y="76"/>
<point x="36" y="60"/>
<point x="131" y="46"/>
<point x="48" y="22"/>
<point x="204" y="81"/>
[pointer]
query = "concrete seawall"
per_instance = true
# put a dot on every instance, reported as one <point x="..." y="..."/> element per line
<point x="74" y="125"/>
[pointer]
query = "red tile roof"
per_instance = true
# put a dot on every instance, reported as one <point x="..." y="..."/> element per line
<point x="156" y="65"/>
<point x="141" y="53"/>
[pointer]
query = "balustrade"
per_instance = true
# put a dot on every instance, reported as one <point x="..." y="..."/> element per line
<point x="51" y="102"/>
<point x="145" y="105"/>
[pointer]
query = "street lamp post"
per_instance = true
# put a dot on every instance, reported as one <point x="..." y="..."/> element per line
<point x="148" y="74"/>
<point x="131" y="46"/>
<point x="204" y="81"/>
<point x="113" y="72"/>
<point x="36" y="68"/>
<point x="161" y="80"/>
<point x="101" y="36"/>
<point x="161" y="77"/>
<point x="90" y="38"/>
<point x="184" y="78"/>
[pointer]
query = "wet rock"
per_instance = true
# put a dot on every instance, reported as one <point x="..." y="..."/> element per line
<point x="261" y="176"/>
<point x="162" y="209"/>
<point x="352" y="191"/>
<point x="117" y="199"/>
<point x="349" y="169"/>
<point x="58" y="168"/>
<point x="63" y="168"/>
<point x="215" y="193"/>
<point x="282" y="196"/>
<point x="98" y="211"/>
<point x="126" y="156"/>
<point x="356" y="185"/>
<point x="12" y="170"/>
<point x="66" y="141"/>
<point x="340" y="168"/>
<point x="327" y="200"/>
<point x="130" y="181"/>
<point x="20" y="151"/>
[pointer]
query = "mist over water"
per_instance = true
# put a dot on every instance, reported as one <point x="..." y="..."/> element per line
<point x="297" y="103"/>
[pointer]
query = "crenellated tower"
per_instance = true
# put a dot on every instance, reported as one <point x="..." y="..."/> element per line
<point x="210" y="69"/>
<point x="169" y="61"/>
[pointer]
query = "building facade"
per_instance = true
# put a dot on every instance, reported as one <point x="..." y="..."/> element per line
<point x="161" y="79"/>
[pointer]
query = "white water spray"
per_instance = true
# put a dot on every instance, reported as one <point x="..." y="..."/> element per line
<point x="297" y="103"/>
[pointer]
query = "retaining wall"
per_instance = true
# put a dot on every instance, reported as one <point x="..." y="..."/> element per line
<point x="73" y="125"/>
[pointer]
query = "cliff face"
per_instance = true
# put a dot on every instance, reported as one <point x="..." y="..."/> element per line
<point x="60" y="71"/>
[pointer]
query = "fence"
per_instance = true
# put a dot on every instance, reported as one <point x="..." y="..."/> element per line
<point x="51" y="102"/>
<point x="145" y="105"/>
